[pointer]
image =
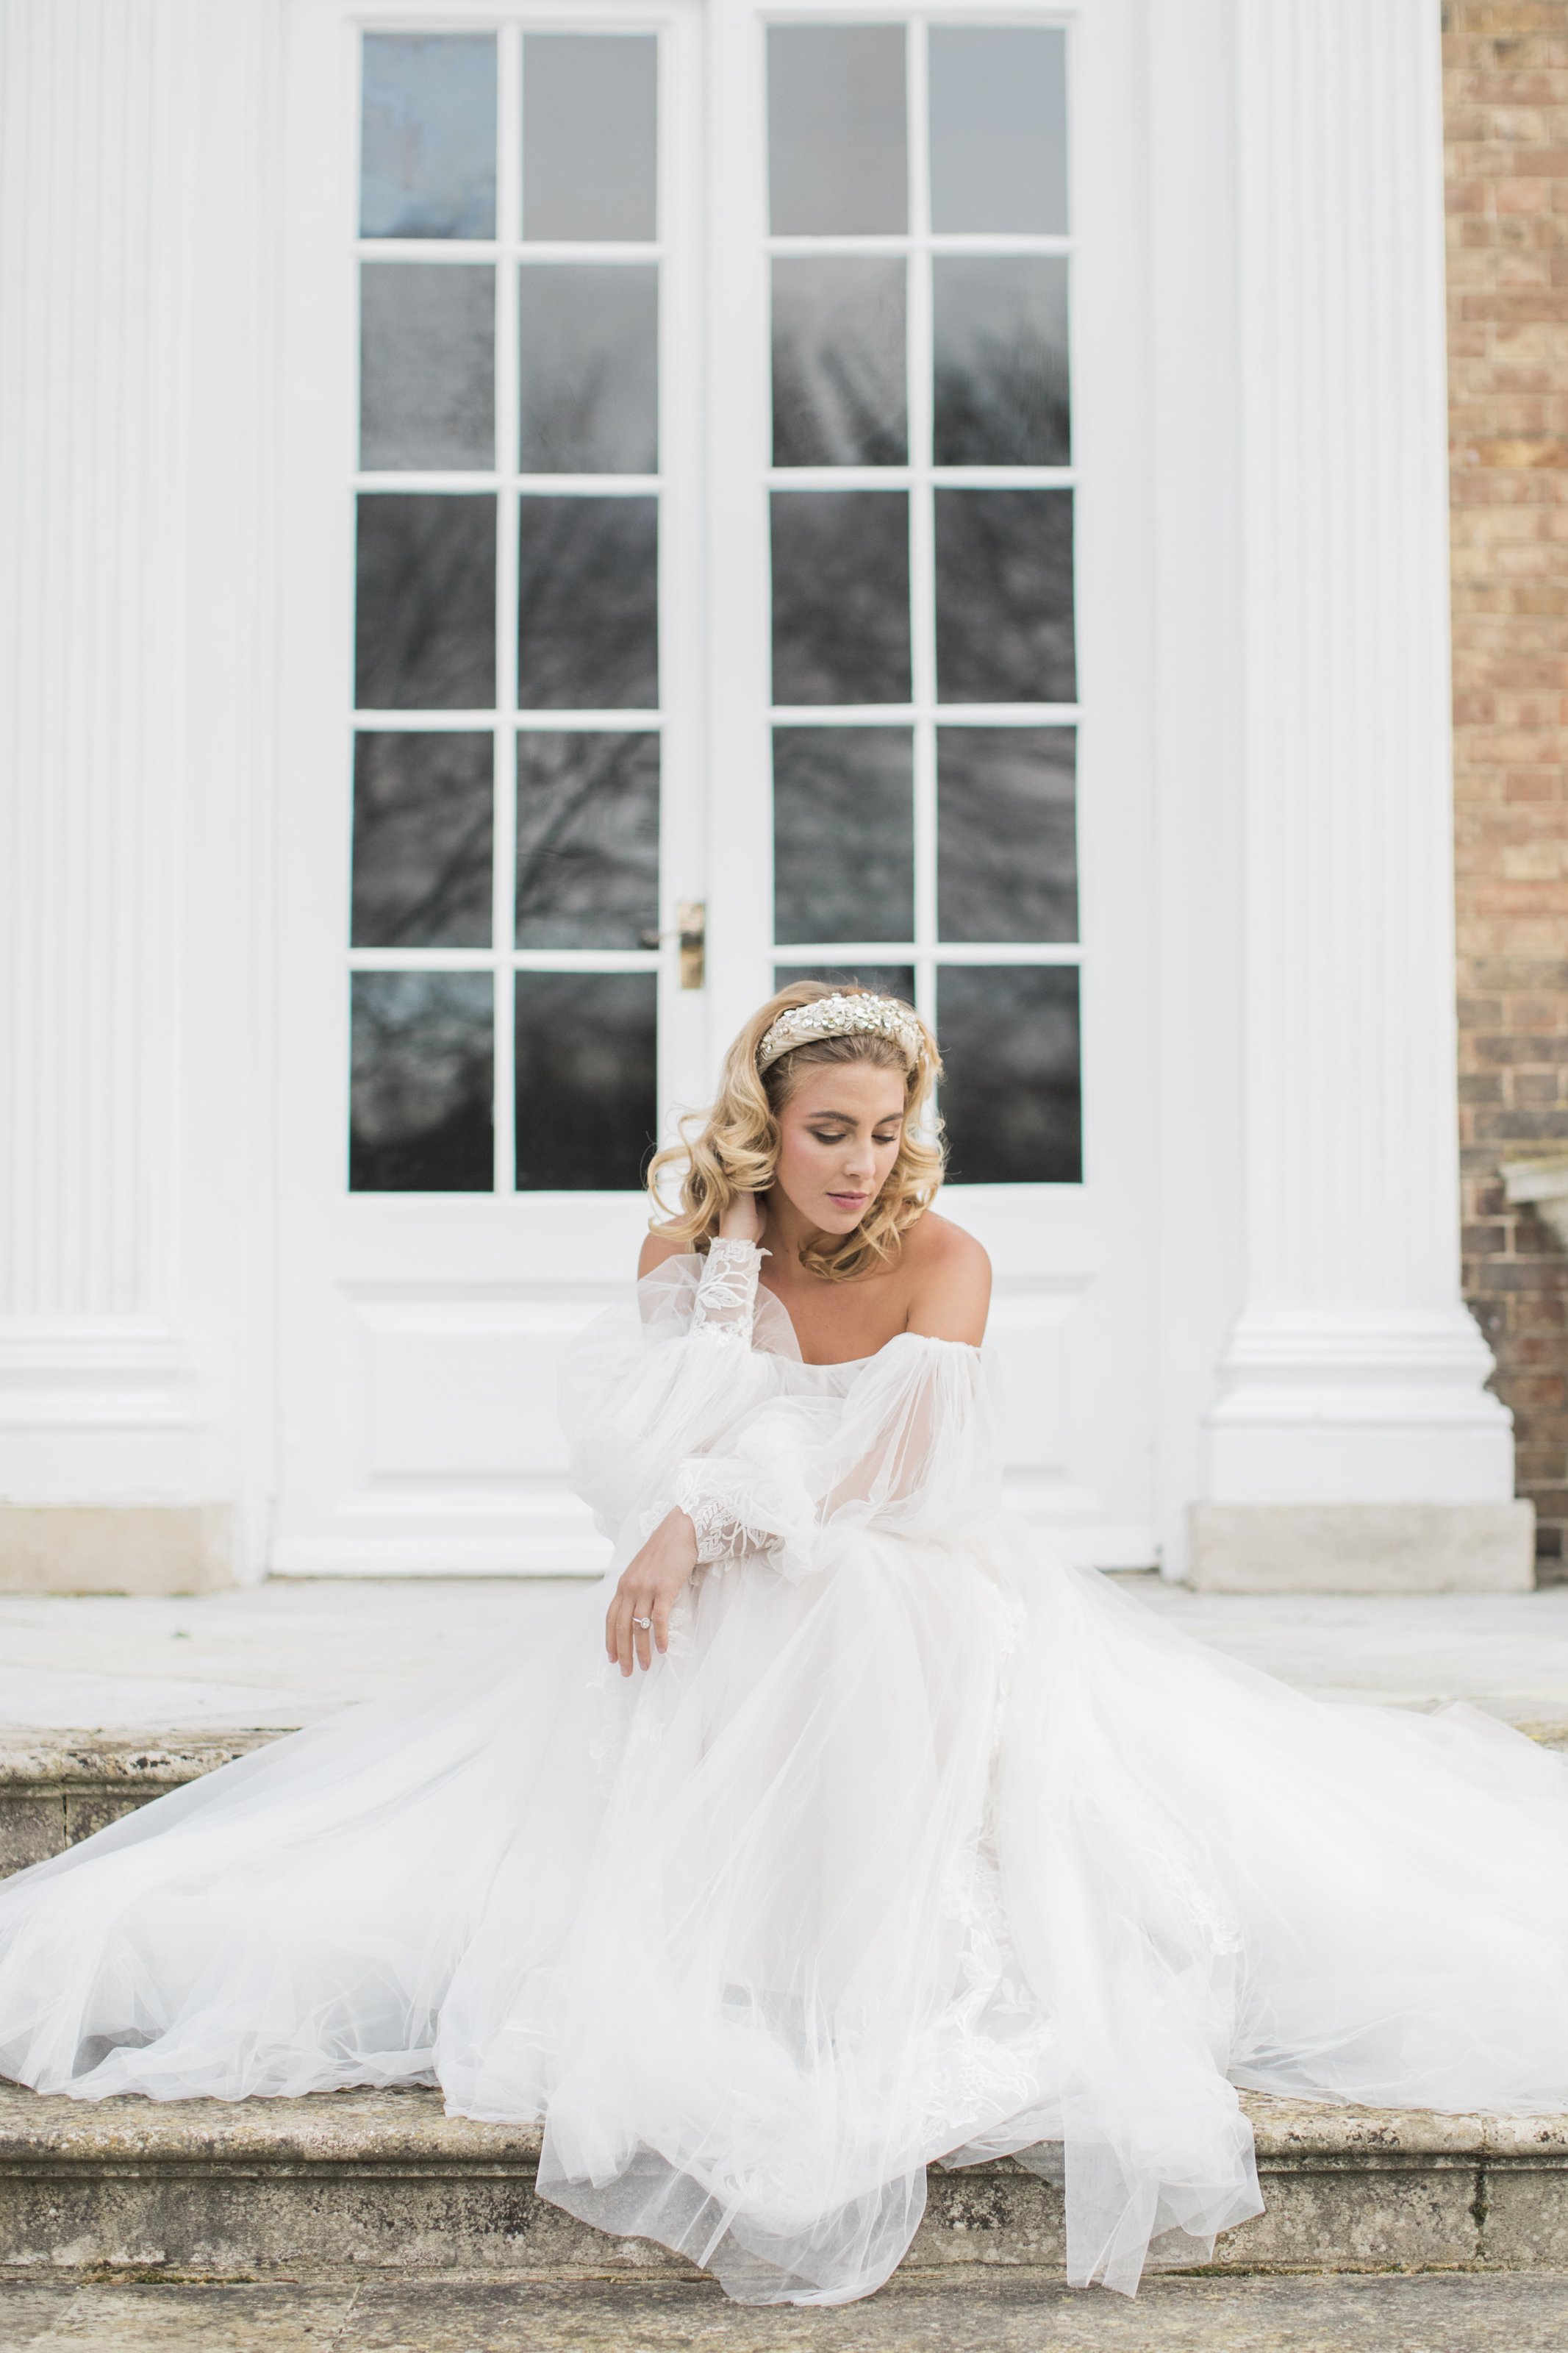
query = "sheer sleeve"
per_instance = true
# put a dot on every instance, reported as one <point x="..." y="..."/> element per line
<point x="909" y="1448"/>
<point x="666" y="1376"/>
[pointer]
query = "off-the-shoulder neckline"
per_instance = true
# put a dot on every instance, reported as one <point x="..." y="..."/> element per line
<point x="834" y="1364"/>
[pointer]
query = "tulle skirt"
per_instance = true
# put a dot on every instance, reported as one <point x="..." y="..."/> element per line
<point x="946" y="1853"/>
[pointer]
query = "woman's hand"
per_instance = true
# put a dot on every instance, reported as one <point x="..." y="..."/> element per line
<point x="742" y="1220"/>
<point x="650" y="1584"/>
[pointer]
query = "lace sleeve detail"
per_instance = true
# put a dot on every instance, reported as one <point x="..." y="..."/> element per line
<point x="727" y="1295"/>
<point x="720" y="1535"/>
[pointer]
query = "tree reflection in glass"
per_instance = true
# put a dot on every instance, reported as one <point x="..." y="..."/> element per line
<point x="587" y="604"/>
<point x="1010" y="1090"/>
<point x="588" y="368"/>
<point x="587" y="839"/>
<point x="844" y="846"/>
<point x="587" y="1055"/>
<point x="425" y="611"/>
<point x="428" y="143"/>
<point x="426" y="365"/>
<point x="838" y="361"/>
<point x="1004" y="596"/>
<point x="1006" y="833"/>
<point x="840" y="597"/>
<point x="420" y="1117"/>
<point x="424" y="820"/>
<point x="1000" y="360"/>
<point x="887" y="979"/>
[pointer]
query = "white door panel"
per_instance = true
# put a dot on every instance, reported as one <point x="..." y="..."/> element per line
<point x="489" y="876"/>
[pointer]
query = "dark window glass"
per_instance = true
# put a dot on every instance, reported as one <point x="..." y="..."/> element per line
<point x="1006" y="833"/>
<point x="425" y="619"/>
<point x="1000" y="356"/>
<point x="420" y="1105"/>
<point x="1009" y="1039"/>
<point x="588" y="604"/>
<point x="836" y="130"/>
<point x="587" y="840"/>
<point x="841" y="597"/>
<point x="843" y="840"/>
<point x="1003" y="597"/>
<point x="423" y="827"/>
<point x="589" y="135"/>
<point x="426" y="384"/>
<point x="887" y="979"/>
<point x="588" y="373"/>
<point x="838" y="361"/>
<point x="998" y="129"/>
<point x="587" y="1050"/>
<point x="427" y="160"/>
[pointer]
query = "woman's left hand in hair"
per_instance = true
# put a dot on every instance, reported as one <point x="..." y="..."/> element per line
<point x="650" y="1584"/>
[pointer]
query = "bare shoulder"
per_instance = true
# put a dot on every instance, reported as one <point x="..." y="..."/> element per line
<point x="951" y="1282"/>
<point x="656" y="1247"/>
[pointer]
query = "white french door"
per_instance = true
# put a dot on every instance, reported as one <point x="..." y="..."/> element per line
<point x="716" y="488"/>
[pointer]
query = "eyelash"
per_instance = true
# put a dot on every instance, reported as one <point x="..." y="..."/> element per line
<point x="837" y="1135"/>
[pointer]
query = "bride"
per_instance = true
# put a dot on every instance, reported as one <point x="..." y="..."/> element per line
<point x="864" y="1835"/>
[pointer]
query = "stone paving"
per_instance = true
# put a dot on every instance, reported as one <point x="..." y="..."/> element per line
<point x="1434" y="2313"/>
<point x="284" y="1652"/>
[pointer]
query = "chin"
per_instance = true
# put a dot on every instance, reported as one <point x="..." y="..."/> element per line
<point x="832" y="1219"/>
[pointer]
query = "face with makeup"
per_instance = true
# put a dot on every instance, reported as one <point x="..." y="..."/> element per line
<point x="838" y="1137"/>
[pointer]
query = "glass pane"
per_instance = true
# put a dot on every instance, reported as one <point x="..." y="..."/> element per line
<point x="420" y="1115"/>
<point x="1009" y="1043"/>
<point x="426" y="378"/>
<point x="587" y="1054"/>
<point x="588" y="354"/>
<point x="1006" y="833"/>
<point x="1003" y="597"/>
<point x="887" y="979"/>
<point x="588" y="604"/>
<point x="1000" y="360"/>
<point x="838" y="363"/>
<point x="844" y="834"/>
<point x="998" y="129"/>
<point x="423" y="823"/>
<point x="425" y="617"/>
<point x="428" y="148"/>
<point x="590" y="116"/>
<point x="841" y="597"/>
<point x="587" y="840"/>
<point x="836" y="130"/>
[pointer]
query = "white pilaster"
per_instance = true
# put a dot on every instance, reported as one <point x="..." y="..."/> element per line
<point x="112" y="1327"/>
<point x="1353" y="1374"/>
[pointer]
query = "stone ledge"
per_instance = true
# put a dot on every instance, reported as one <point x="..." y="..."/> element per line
<point x="383" y="2183"/>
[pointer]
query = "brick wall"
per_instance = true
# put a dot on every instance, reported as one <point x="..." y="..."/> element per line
<point x="1506" y="85"/>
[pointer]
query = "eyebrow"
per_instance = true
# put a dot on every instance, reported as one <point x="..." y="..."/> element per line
<point x="847" y="1118"/>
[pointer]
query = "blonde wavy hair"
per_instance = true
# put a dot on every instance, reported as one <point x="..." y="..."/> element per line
<point x="733" y="1147"/>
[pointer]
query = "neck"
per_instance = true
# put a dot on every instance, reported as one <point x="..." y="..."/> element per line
<point x="784" y="1231"/>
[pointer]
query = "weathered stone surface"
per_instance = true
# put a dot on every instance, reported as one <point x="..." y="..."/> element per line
<point x="1017" y="2312"/>
<point x="383" y="2183"/>
<point x="56" y="1788"/>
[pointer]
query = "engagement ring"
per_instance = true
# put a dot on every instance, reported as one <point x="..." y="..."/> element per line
<point x="642" y="1622"/>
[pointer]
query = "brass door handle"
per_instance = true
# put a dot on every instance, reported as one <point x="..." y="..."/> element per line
<point x="691" y="930"/>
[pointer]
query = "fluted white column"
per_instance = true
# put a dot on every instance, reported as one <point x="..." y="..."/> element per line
<point x="1353" y="1375"/>
<point x="105" y="199"/>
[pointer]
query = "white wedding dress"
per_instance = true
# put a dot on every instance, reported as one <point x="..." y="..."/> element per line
<point x="914" y="1846"/>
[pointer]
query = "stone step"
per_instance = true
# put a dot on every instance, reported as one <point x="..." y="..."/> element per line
<point x="992" y="2312"/>
<point x="382" y="2183"/>
<point x="57" y="1788"/>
